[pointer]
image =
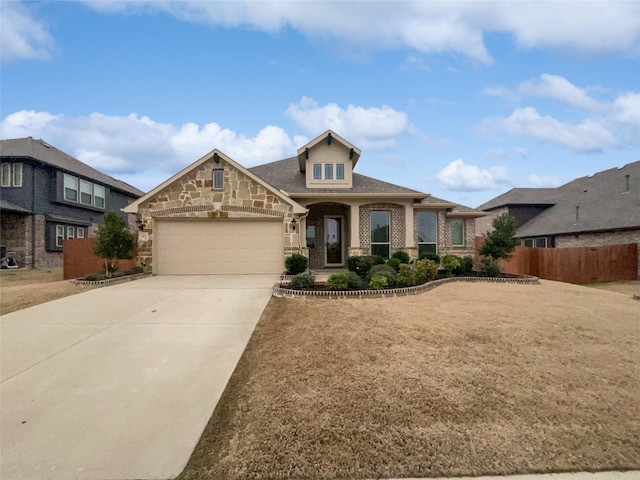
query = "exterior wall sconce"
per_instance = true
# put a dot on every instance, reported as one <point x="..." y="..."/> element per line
<point x="294" y="222"/>
<point x="139" y="224"/>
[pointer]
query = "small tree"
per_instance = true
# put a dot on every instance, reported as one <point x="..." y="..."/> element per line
<point x="114" y="242"/>
<point x="501" y="242"/>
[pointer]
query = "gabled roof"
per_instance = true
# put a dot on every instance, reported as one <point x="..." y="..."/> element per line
<point x="285" y="176"/>
<point x="604" y="204"/>
<point x="522" y="196"/>
<point x="453" y="209"/>
<point x="43" y="152"/>
<point x="329" y="136"/>
<point x="133" y="207"/>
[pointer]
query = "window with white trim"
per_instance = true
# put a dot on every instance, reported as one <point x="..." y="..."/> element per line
<point x="328" y="171"/>
<point x="218" y="179"/>
<point x="98" y="196"/>
<point x="457" y="232"/>
<point x="70" y="188"/>
<point x="80" y="232"/>
<point x="339" y="171"/>
<point x="71" y="232"/>
<point x="84" y="192"/>
<point x="380" y="233"/>
<point x="317" y="171"/>
<point x="427" y="232"/>
<point x="59" y="235"/>
<point x="10" y="174"/>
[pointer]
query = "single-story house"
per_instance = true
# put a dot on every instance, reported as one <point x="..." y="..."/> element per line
<point x="218" y="217"/>
<point x="596" y="210"/>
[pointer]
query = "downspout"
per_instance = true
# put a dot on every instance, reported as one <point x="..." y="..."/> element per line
<point x="300" y="218"/>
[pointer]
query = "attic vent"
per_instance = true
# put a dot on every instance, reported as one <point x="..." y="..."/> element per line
<point x="577" y="213"/>
<point x="329" y="139"/>
<point x="626" y="182"/>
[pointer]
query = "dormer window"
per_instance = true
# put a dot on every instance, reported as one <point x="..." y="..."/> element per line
<point x="340" y="171"/>
<point x="317" y="171"/>
<point x="328" y="171"/>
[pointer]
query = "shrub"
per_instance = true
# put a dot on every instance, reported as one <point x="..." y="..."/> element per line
<point x="134" y="270"/>
<point x="114" y="241"/>
<point x="94" y="277"/>
<point x="434" y="257"/>
<point x="450" y="263"/>
<point x="379" y="282"/>
<point x="296" y="264"/>
<point x="490" y="267"/>
<point x="426" y="270"/>
<point x="302" y="281"/>
<point x="354" y="282"/>
<point x="467" y="265"/>
<point x="378" y="259"/>
<point x="338" y="281"/>
<point x="500" y="242"/>
<point x="402" y="256"/>
<point x="362" y="265"/>
<point x="386" y="271"/>
<point x="406" y="276"/>
<point x="394" y="263"/>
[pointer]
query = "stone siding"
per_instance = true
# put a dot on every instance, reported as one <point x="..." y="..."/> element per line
<point x="600" y="240"/>
<point x="397" y="226"/>
<point x="483" y="225"/>
<point x="193" y="196"/>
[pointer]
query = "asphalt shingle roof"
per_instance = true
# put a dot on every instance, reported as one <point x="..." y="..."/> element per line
<point x="45" y="153"/>
<point x="522" y="196"/>
<point x="285" y="175"/>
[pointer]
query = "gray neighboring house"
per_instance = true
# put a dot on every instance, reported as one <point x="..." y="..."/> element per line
<point x="597" y="210"/>
<point x="47" y="196"/>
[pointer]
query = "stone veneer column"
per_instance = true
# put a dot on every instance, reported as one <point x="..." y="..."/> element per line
<point x="354" y="215"/>
<point x="408" y="225"/>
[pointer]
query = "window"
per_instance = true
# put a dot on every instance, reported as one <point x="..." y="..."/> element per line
<point x="541" y="242"/>
<point x="11" y="174"/>
<point x="457" y="232"/>
<point x="317" y="171"/>
<point x="70" y="188"/>
<point x="86" y="193"/>
<point x="59" y="235"/>
<point x="218" y="179"/>
<point x="380" y="244"/>
<point x="79" y="232"/>
<point x="71" y="232"/>
<point x="98" y="196"/>
<point x="17" y="174"/>
<point x="528" y="242"/>
<point x="311" y="236"/>
<point x="340" y="171"/>
<point x="328" y="171"/>
<point x="427" y="232"/>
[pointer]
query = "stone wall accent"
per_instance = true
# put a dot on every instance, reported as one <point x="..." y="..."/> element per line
<point x="397" y="225"/>
<point x="485" y="224"/>
<point x="600" y="240"/>
<point x="317" y="212"/>
<point x="193" y="196"/>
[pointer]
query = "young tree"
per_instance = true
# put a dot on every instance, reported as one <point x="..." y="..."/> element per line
<point x="499" y="244"/>
<point x="114" y="242"/>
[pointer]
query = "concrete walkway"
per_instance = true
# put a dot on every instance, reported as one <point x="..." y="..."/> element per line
<point x="119" y="382"/>
<point x="630" y="475"/>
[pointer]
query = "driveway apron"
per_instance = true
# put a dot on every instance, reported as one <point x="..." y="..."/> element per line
<point x="119" y="382"/>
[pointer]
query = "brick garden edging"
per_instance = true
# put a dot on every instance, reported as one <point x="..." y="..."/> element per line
<point x="279" y="291"/>
<point x="110" y="281"/>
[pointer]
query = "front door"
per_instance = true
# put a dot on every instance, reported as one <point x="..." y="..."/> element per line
<point x="333" y="241"/>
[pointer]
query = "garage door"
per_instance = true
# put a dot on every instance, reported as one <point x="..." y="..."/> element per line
<point x="188" y="247"/>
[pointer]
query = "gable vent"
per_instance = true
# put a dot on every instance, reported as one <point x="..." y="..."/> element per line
<point x="627" y="177"/>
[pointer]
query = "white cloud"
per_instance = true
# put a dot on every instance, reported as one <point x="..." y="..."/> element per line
<point x="588" y="136"/>
<point x="502" y="92"/>
<point x="537" y="181"/>
<point x="522" y="152"/>
<point x="373" y="128"/>
<point x="141" y="151"/>
<point x="22" y="35"/>
<point x="459" y="176"/>
<point x="559" y="88"/>
<point x="427" y="27"/>
<point x="626" y="116"/>
<point x="496" y="154"/>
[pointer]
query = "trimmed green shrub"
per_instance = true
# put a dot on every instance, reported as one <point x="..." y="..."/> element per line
<point x="406" y="276"/>
<point x="394" y="263"/>
<point x="490" y="267"/>
<point x="296" y="264"/>
<point x="302" y="281"/>
<point x="379" y="282"/>
<point x="354" y="282"/>
<point x="338" y="281"/>
<point x="95" y="277"/>
<point x="402" y="256"/>
<point x="434" y="257"/>
<point x="467" y="266"/>
<point x="134" y="270"/>
<point x="362" y="264"/>
<point x="386" y="271"/>
<point x="426" y="270"/>
<point x="378" y="259"/>
<point x="450" y="263"/>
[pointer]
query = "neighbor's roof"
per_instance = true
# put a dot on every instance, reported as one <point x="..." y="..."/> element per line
<point x="522" y="196"/>
<point x="603" y="200"/>
<point x="41" y="151"/>
<point x="286" y="176"/>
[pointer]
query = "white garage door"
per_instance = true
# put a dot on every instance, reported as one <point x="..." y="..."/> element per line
<point x="193" y="246"/>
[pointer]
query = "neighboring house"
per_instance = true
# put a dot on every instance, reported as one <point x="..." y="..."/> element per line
<point x="47" y="196"/>
<point x="601" y="209"/>
<point x="216" y="216"/>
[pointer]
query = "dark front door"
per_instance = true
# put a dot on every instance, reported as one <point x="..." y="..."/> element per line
<point x="333" y="241"/>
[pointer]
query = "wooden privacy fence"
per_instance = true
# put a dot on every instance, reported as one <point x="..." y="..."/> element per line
<point x="578" y="265"/>
<point x="80" y="261"/>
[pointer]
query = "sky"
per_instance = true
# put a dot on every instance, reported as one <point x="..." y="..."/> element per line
<point x="462" y="100"/>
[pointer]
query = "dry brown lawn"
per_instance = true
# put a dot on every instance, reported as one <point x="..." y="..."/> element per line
<point x="629" y="287"/>
<point x="467" y="379"/>
<point x="22" y="288"/>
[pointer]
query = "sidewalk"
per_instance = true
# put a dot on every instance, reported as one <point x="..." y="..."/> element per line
<point x="629" y="475"/>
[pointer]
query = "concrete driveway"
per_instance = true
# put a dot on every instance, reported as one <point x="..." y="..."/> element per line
<point x="119" y="382"/>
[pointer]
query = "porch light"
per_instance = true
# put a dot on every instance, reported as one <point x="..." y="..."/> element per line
<point x="140" y="224"/>
<point x="294" y="222"/>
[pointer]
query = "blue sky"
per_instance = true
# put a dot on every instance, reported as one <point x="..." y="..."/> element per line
<point x="463" y="100"/>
